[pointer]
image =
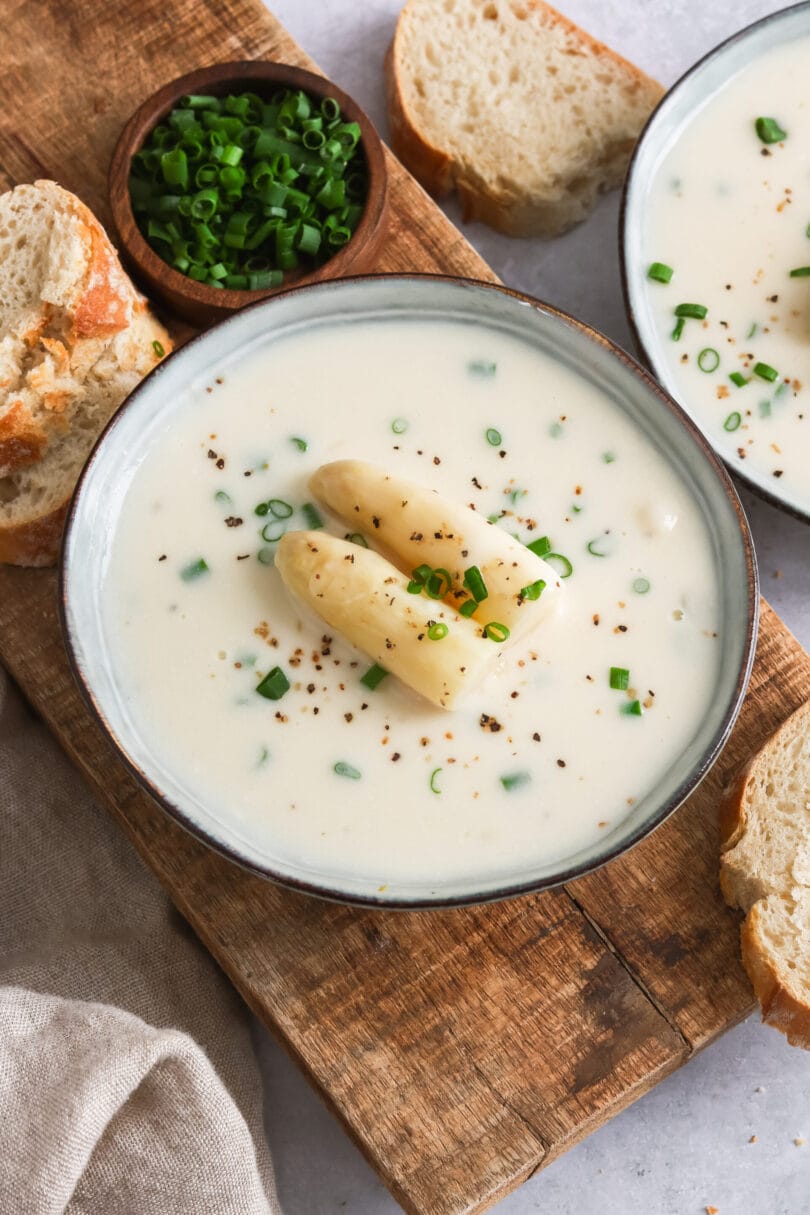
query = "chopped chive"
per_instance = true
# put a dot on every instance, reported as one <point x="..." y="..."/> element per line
<point x="641" y="586"/>
<point x="800" y="272"/>
<point x="540" y="547"/>
<point x="438" y="631"/>
<point x="415" y="587"/>
<point x="262" y="509"/>
<point x="279" y="509"/>
<point x="301" y="444"/>
<point x="468" y="608"/>
<point x="223" y="497"/>
<point x="274" y="685"/>
<point x="474" y="583"/>
<point x="515" y="781"/>
<point x="357" y="538"/>
<point x="314" y="520"/>
<point x="575" y="509"/>
<point x="344" y="769"/>
<point x="399" y="426"/>
<point x="708" y="360"/>
<point x="752" y="331"/>
<point x="496" y="632"/>
<point x="482" y="369"/>
<point x="769" y="130"/>
<point x="437" y="583"/>
<point x="660" y="272"/>
<point x="738" y="378"/>
<point x="555" y="430"/>
<point x="534" y="590"/>
<point x="433" y="777"/>
<point x="764" y="409"/>
<point x="592" y="547"/>
<point x="619" y="678"/>
<point x="608" y="457"/>
<point x="159" y="349"/>
<point x="266" y="556"/>
<point x="516" y="494"/>
<point x="678" y="330"/>
<point x="494" y="518"/>
<point x="766" y="372"/>
<point x="733" y="421"/>
<point x="264" y="755"/>
<point x="494" y="437"/>
<point x="632" y="709"/>
<point x="274" y="530"/>
<point x="560" y="564"/>
<point x="373" y="677"/>
<point x="194" y="569"/>
<point x="781" y="390"/>
<point x="695" y="312"/>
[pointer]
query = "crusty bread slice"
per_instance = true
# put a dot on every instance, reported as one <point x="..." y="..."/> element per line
<point x="765" y="870"/>
<point x="519" y="110"/>
<point x="75" y="339"/>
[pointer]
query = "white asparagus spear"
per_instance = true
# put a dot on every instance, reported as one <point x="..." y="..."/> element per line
<point x="358" y="592"/>
<point x="416" y="526"/>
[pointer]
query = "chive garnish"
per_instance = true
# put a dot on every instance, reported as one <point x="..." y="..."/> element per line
<point x="641" y="586"/>
<point x="279" y="509"/>
<point x="494" y="437"/>
<point x="695" y="312"/>
<point x="344" y="769"/>
<point x="766" y="372"/>
<point x="678" y="330"/>
<point x="619" y="678"/>
<point x="555" y="430"/>
<point x="357" y="538"/>
<point x="274" y="685"/>
<point x="560" y="564"/>
<point x="769" y="130"/>
<point x="496" y="631"/>
<point x="159" y="349"/>
<point x="301" y="444"/>
<point x="438" y="631"/>
<point x="733" y="421"/>
<point x="399" y="426"/>
<point x="764" y="409"/>
<point x="266" y="556"/>
<point x="415" y="587"/>
<point x="534" y="590"/>
<point x="274" y="530"/>
<point x="482" y="369"/>
<point x="474" y="583"/>
<point x="314" y="520"/>
<point x="660" y="272"/>
<point x="515" y="781"/>
<point x="433" y="777"/>
<point x="234" y="191"/>
<point x="262" y="509"/>
<point x="468" y="608"/>
<point x="800" y="272"/>
<point x="738" y="378"/>
<point x="437" y="583"/>
<point x="223" y="497"/>
<point x="752" y="331"/>
<point x="592" y="547"/>
<point x="632" y="709"/>
<point x="194" y="569"/>
<point x="373" y="677"/>
<point x="608" y="457"/>
<point x="540" y="547"/>
<point x="708" y="360"/>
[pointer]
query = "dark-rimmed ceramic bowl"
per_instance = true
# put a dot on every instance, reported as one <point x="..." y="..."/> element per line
<point x="197" y="302"/>
<point x="674" y="113"/>
<point x="91" y="533"/>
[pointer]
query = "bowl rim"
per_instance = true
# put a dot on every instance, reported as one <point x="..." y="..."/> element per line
<point x="510" y="890"/>
<point x="219" y="76"/>
<point x="761" y="491"/>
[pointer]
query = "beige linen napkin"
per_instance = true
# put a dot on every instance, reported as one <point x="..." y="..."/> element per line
<point x="105" y="1107"/>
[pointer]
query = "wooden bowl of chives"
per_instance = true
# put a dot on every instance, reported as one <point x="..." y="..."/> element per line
<point x="197" y="302"/>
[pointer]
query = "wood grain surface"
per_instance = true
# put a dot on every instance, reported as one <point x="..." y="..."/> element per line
<point x="463" y="1050"/>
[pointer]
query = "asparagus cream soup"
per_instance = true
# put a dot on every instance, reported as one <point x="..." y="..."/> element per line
<point x="235" y="676"/>
<point x="727" y="270"/>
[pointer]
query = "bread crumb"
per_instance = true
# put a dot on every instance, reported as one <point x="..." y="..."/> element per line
<point x="753" y="1139"/>
<point x="799" y="1141"/>
<point x="712" y="1210"/>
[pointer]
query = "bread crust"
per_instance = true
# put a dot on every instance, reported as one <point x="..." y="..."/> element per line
<point x="36" y="542"/>
<point x="22" y="439"/>
<point x="780" y="1008"/>
<point x="513" y="212"/>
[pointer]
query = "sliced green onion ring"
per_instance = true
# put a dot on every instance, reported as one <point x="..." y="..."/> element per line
<point x="497" y="632"/>
<point x="274" y="685"/>
<point x="560" y="564"/>
<point x="709" y="359"/>
<point x="438" y="631"/>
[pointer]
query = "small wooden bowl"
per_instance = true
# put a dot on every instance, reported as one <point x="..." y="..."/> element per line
<point x="197" y="302"/>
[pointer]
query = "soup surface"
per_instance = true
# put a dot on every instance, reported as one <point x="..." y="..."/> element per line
<point x="729" y="213"/>
<point x="544" y="757"/>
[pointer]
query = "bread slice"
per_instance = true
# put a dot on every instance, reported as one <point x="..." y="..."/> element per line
<point x="75" y="339"/>
<point x="519" y="110"/>
<point x="765" y="870"/>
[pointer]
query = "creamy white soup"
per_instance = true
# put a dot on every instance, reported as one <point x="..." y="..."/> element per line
<point x="728" y="217"/>
<point x="287" y="729"/>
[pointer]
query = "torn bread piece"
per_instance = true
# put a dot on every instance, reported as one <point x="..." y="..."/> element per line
<point x="416" y="526"/>
<point x="356" y="591"/>
<point x="765" y="871"/>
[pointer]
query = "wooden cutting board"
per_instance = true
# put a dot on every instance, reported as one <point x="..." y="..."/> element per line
<point x="463" y="1050"/>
